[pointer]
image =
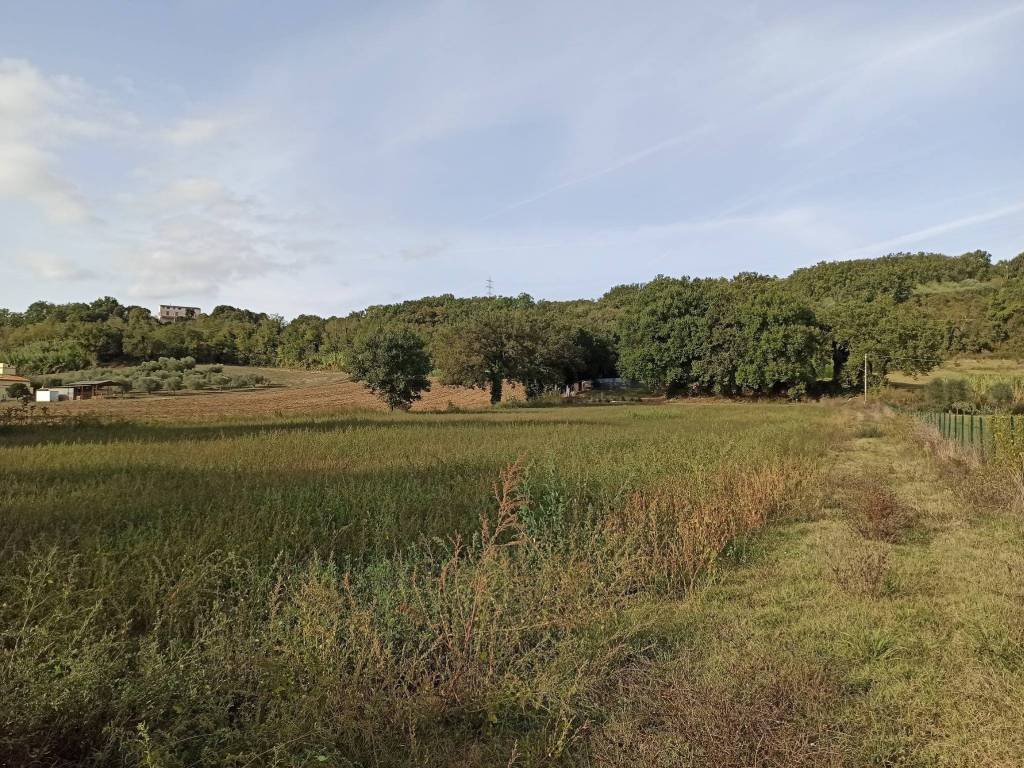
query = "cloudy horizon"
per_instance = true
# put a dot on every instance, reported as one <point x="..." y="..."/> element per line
<point x="322" y="159"/>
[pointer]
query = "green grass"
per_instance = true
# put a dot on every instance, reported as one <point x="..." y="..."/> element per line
<point x="965" y="366"/>
<point x="698" y="584"/>
<point x="349" y="589"/>
<point x="836" y="647"/>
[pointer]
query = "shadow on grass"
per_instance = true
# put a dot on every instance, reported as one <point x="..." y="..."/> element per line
<point x="112" y="432"/>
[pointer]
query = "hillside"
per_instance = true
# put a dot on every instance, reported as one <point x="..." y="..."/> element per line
<point x="752" y="334"/>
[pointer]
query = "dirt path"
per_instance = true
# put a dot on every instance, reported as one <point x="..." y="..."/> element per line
<point x="886" y="630"/>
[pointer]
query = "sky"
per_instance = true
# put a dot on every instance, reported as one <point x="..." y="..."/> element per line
<point x="323" y="156"/>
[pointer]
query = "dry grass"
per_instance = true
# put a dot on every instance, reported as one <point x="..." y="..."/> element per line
<point x="353" y="590"/>
<point x="864" y="570"/>
<point x="755" y="712"/>
<point x="294" y="392"/>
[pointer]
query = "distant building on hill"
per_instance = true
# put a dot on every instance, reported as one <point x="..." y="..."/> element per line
<point x="171" y="312"/>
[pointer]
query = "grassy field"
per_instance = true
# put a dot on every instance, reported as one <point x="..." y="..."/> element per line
<point x="964" y="366"/>
<point x="702" y="584"/>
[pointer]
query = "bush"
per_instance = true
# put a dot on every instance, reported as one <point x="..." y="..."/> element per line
<point x="393" y="362"/>
<point x="173" y="383"/>
<point x="19" y="391"/>
<point x="146" y="384"/>
<point x="1000" y="395"/>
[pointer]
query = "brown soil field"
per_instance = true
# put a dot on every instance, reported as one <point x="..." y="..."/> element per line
<point x="292" y="392"/>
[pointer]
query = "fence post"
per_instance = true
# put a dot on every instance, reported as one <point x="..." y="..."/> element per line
<point x="972" y="429"/>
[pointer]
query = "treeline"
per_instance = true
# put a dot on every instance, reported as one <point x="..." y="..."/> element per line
<point x="749" y="334"/>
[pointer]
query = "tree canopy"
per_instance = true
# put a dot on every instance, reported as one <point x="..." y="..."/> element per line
<point x="752" y="333"/>
<point x="393" y="363"/>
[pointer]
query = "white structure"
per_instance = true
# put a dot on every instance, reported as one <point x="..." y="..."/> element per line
<point x="6" y="369"/>
<point x="54" y="395"/>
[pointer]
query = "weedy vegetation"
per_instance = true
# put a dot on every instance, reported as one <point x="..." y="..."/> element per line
<point x="367" y="589"/>
<point x="728" y="584"/>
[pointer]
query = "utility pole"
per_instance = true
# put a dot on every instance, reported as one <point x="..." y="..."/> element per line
<point x="490" y="288"/>
<point x="865" y="377"/>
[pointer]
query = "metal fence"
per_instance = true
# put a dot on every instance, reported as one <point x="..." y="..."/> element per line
<point x="984" y="433"/>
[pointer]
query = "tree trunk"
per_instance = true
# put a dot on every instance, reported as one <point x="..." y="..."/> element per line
<point x="839" y="357"/>
<point x="495" y="390"/>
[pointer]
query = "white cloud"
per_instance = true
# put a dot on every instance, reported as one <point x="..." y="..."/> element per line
<point x="193" y="131"/>
<point x="28" y="173"/>
<point x="39" y="114"/>
<point x="197" y="237"/>
<point x="195" y="190"/>
<point x="47" y="266"/>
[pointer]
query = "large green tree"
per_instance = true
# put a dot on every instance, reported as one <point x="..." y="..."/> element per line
<point x="522" y="344"/>
<point x="393" y="363"/>
<point x="748" y="335"/>
<point x="894" y="336"/>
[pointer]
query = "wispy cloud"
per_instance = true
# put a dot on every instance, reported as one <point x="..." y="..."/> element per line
<point x="687" y="137"/>
<point x="921" y="236"/>
<point x="870" y="63"/>
<point x="47" y="266"/>
<point x="40" y="114"/>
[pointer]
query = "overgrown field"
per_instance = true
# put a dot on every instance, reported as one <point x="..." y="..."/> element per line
<point x="446" y="589"/>
<point x="701" y="584"/>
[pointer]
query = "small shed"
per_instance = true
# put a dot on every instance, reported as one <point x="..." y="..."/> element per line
<point x="86" y="390"/>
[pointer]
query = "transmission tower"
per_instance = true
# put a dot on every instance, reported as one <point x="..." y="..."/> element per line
<point x="490" y="288"/>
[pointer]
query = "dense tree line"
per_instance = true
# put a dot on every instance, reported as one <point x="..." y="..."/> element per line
<point x="748" y="334"/>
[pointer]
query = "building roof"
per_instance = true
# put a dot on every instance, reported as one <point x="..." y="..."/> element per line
<point x="98" y="383"/>
<point x="12" y="379"/>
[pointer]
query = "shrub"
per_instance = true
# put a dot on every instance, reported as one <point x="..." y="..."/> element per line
<point x="1000" y="395"/>
<point x="880" y="514"/>
<point x="19" y="391"/>
<point x="146" y="384"/>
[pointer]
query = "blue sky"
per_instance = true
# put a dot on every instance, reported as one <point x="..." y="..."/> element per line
<point x="323" y="156"/>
